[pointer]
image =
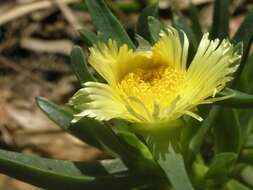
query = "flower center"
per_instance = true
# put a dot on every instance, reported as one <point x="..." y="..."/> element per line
<point x="158" y="85"/>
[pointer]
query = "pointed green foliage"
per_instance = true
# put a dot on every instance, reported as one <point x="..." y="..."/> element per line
<point x="55" y="113"/>
<point x="86" y="129"/>
<point x="155" y="27"/>
<point x="220" y="19"/>
<point x="187" y="134"/>
<point x="142" y="25"/>
<point x="173" y="166"/>
<point x="246" y="115"/>
<point x="246" y="122"/>
<point x="63" y="119"/>
<point x="236" y="99"/>
<point x="65" y="175"/>
<point x="95" y="134"/>
<point x="246" y="79"/>
<point x="180" y="22"/>
<point x="244" y="35"/>
<point x="194" y="17"/>
<point x="101" y="136"/>
<point x="144" y="159"/>
<point x="197" y="140"/>
<point x="221" y="166"/>
<point x="227" y="131"/>
<point x="89" y="38"/>
<point x="79" y="65"/>
<point x="107" y="23"/>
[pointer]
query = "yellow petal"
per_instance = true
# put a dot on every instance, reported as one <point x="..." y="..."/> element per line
<point x="113" y="62"/>
<point x="154" y="85"/>
<point x="100" y="101"/>
<point x="168" y="50"/>
<point x="210" y="70"/>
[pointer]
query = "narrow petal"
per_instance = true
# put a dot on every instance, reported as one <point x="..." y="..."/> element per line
<point x="210" y="70"/>
<point x="137" y="91"/>
<point x="168" y="50"/>
<point x="185" y="51"/>
<point x="98" y="100"/>
<point x="113" y="62"/>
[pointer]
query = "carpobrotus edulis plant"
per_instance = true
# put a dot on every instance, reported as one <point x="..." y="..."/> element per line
<point x="169" y="108"/>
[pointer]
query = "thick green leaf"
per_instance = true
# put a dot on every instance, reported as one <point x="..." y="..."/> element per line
<point x="88" y="130"/>
<point x="63" y="119"/>
<point x="220" y="19"/>
<point x="227" y="131"/>
<point x="187" y="134"/>
<point x="197" y="140"/>
<point x="79" y="64"/>
<point x="237" y="100"/>
<point x="235" y="185"/>
<point x="180" y="22"/>
<point x="93" y="133"/>
<point x="221" y="165"/>
<point x="155" y="27"/>
<point x="54" y="112"/>
<point x="126" y="6"/>
<point x="194" y="16"/>
<point x="107" y="23"/>
<point x="246" y="79"/>
<point x="112" y="144"/>
<point x="246" y="122"/>
<point x="246" y="115"/>
<point x="65" y="175"/>
<point x="244" y="35"/>
<point x="145" y="158"/>
<point x="173" y="166"/>
<point x="142" y="25"/>
<point x="89" y="38"/>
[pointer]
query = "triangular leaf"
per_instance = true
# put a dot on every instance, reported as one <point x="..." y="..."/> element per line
<point x="155" y="27"/>
<point x="244" y="35"/>
<point x="236" y="99"/>
<point x="79" y="65"/>
<point x="220" y="19"/>
<point x="89" y="38"/>
<point x="174" y="168"/>
<point x="107" y="23"/>
<point x="66" y="175"/>
<point x="142" y="25"/>
<point x="227" y="131"/>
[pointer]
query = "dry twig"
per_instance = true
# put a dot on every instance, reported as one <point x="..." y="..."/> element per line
<point x="21" y="10"/>
<point x="69" y="15"/>
<point x="47" y="46"/>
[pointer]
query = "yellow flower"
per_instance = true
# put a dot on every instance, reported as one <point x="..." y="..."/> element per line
<point x="155" y="85"/>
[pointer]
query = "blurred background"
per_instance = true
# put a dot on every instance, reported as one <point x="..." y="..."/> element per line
<point x="36" y="37"/>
